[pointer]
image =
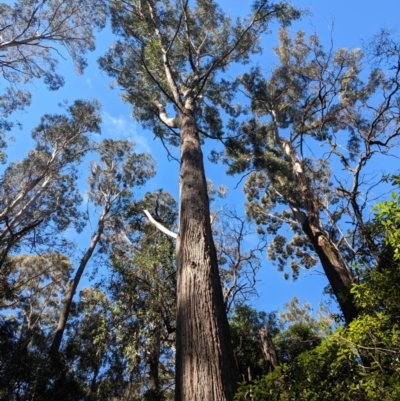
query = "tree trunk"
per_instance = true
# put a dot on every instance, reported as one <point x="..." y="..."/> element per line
<point x="153" y="361"/>
<point x="268" y="349"/>
<point x="154" y="393"/>
<point x="336" y="270"/>
<point x="73" y="284"/>
<point x="205" y="365"/>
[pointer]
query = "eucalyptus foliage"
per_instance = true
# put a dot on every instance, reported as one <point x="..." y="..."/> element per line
<point x="39" y="195"/>
<point x="194" y="46"/>
<point x="33" y="36"/>
<point x="318" y="111"/>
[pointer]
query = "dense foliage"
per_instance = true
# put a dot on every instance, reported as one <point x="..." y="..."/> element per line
<point x="332" y="366"/>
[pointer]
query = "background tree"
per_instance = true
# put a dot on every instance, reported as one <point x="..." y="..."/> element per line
<point x="33" y="35"/>
<point x="292" y="148"/>
<point x="121" y="332"/>
<point x="246" y="324"/>
<point x="27" y="324"/>
<point x="111" y="182"/>
<point x="168" y="60"/>
<point x="238" y="261"/>
<point x="145" y="288"/>
<point x="39" y="197"/>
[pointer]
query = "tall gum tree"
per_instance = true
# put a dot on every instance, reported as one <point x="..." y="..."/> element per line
<point x="169" y="61"/>
<point x="315" y="112"/>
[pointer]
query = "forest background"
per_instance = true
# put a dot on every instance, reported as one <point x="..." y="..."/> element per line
<point x="346" y="24"/>
<point x="338" y="25"/>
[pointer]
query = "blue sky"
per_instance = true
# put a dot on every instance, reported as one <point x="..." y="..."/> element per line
<point x="347" y="22"/>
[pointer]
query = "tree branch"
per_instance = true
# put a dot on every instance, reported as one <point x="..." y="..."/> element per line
<point x="160" y="226"/>
<point x="169" y="122"/>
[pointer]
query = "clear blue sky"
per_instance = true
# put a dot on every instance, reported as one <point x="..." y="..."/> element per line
<point x="351" y="21"/>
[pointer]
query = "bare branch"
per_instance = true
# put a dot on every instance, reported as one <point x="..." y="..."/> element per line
<point x="160" y="226"/>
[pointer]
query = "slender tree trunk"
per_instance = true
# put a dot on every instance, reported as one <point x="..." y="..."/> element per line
<point x="153" y="361"/>
<point x="73" y="284"/>
<point x="205" y="365"/>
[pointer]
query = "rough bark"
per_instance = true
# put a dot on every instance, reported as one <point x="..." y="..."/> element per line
<point x="73" y="284"/>
<point x="205" y="365"/>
